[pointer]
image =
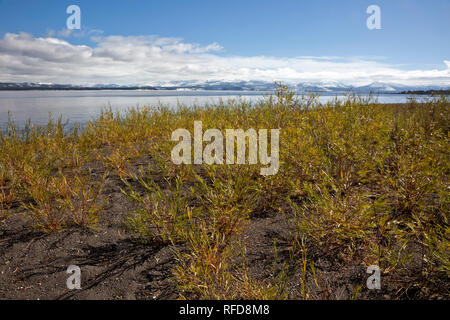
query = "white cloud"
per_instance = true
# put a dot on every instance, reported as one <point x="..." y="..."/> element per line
<point x="153" y="60"/>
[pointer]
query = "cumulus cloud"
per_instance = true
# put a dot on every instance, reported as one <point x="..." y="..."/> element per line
<point x="152" y="60"/>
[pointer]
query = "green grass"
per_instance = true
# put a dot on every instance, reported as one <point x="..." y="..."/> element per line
<point x="365" y="180"/>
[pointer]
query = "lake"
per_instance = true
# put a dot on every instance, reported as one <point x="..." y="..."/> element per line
<point x="82" y="106"/>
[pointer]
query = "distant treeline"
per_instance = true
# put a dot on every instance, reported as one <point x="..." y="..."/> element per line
<point x="427" y="92"/>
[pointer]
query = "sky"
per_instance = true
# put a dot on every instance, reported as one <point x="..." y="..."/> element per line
<point x="157" y="42"/>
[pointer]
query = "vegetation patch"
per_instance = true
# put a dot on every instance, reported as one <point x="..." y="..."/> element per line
<point x="359" y="183"/>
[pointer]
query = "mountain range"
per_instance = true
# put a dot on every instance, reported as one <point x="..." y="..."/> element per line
<point x="312" y="86"/>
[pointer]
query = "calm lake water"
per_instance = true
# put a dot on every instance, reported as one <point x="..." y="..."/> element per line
<point x="82" y="106"/>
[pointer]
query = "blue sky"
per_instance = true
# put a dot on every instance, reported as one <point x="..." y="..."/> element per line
<point x="414" y="34"/>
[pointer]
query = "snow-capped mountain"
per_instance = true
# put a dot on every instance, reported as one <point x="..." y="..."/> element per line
<point x="323" y="86"/>
<point x="380" y="87"/>
<point x="373" y="87"/>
